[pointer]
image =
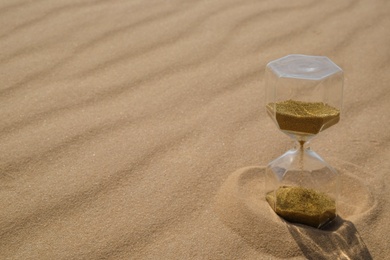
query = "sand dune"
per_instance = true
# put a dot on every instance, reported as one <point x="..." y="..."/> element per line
<point x="137" y="129"/>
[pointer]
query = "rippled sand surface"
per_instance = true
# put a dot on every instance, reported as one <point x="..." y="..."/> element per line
<point x="137" y="129"/>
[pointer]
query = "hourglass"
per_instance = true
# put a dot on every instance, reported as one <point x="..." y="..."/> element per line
<point x="303" y="98"/>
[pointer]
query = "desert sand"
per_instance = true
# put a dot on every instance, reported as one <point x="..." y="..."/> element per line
<point x="138" y="129"/>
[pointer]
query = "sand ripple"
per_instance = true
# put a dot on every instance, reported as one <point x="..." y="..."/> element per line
<point x="120" y="121"/>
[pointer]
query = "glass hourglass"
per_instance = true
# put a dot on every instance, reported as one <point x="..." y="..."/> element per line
<point x="303" y="98"/>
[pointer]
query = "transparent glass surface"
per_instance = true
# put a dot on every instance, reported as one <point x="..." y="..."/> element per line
<point x="303" y="78"/>
<point x="303" y="97"/>
<point x="302" y="167"/>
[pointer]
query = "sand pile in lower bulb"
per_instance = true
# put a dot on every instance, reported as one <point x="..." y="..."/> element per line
<point x="302" y="205"/>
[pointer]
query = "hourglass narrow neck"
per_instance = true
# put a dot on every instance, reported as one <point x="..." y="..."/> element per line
<point x="302" y="145"/>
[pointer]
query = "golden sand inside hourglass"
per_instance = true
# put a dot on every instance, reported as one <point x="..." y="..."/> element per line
<point x="303" y="117"/>
<point x="302" y="205"/>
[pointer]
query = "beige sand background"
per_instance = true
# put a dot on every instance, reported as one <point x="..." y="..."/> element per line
<point x="137" y="129"/>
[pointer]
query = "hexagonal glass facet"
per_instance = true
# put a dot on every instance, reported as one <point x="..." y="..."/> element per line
<point x="303" y="97"/>
<point x="298" y="86"/>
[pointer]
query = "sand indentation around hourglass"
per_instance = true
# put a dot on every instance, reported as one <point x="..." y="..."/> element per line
<point x="241" y="205"/>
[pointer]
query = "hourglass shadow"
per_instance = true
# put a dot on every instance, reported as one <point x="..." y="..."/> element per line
<point x="340" y="240"/>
